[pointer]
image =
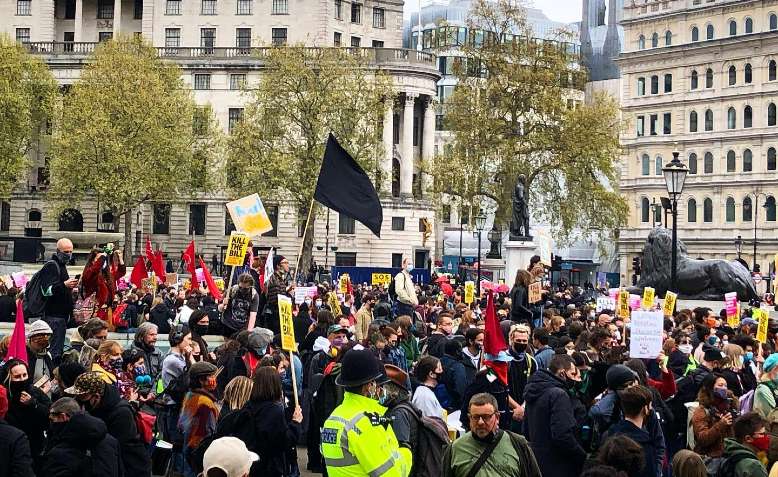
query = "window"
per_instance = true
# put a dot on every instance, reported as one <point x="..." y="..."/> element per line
<point x="748" y="161"/>
<point x="729" y="210"/>
<point x="668" y="38"/>
<point x="732" y="75"/>
<point x="397" y="260"/>
<point x="707" y="210"/>
<point x="202" y="81"/>
<point x="655" y="84"/>
<point x="658" y="166"/>
<point x="278" y="36"/>
<point x="345" y="259"/>
<point x="237" y="80"/>
<point x="709" y="78"/>
<point x="208" y="7"/>
<point x="22" y="35"/>
<point x="243" y="38"/>
<point x="652" y="123"/>
<point x="694" y="80"/>
<point x="104" y="36"/>
<point x="70" y="9"/>
<point x="200" y="121"/>
<point x="641" y="86"/>
<point x="337" y="39"/>
<point x="731" y="161"/>
<point x="272" y="214"/>
<point x="356" y="42"/>
<point x="197" y="219"/>
<point x="338" y="9"/>
<point x="641" y="124"/>
<point x="280" y="7"/>
<point x="695" y="34"/>
<point x="645" y="165"/>
<point x="234" y="117"/>
<point x="708" y="163"/>
<point x="229" y="225"/>
<point x="378" y="44"/>
<point x="666" y="123"/>
<point x="172" y="40"/>
<point x="105" y="9"/>
<point x="245" y="7"/>
<point x="773" y="21"/>
<point x="654" y="40"/>
<point x="732" y="28"/>
<point x="398" y="223"/>
<point x="208" y="40"/>
<point x="356" y="13"/>
<point x="5" y="216"/>
<point x="641" y="42"/>
<point x="668" y="83"/>
<point x="693" y="121"/>
<point x="731" y="118"/>
<point x="173" y="7"/>
<point x="160" y="222"/>
<point x="769" y="205"/>
<point x="379" y="18"/>
<point x="691" y="211"/>
<point x="747" y="74"/>
<point x="771" y="162"/>
<point x="345" y="225"/>
<point x="771" y="69"/>
<point x="771" y="114"/>
<point x="709" y="32"/>
<point x="748" y="117"/>
<point x="644" y="210"/>
<point x="749" y="25"/>
<point x="708" y="120"/>
<point x="692" y="163"/>
<point x="23" y="8"/>
<point x="747" y="209"/>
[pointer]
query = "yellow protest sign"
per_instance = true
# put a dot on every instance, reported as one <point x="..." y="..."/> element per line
<point x="236" y="249"/>
<point x="762" y="317"/>
<point x="249" y="215"/>
<point x="332" y="300"/>
<point x="669" y="304"/>
<point x="469" y="292"/>
<point x="648" y="298"/>
<point x="381" y="279"/>
<point x="624" y="304"/>
<point x="343" y="283"/>
<point x="534" y="292"/>
<point x="287" y="324"/>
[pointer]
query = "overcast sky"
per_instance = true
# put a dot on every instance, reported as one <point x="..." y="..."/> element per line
<point x="567" y="11"/>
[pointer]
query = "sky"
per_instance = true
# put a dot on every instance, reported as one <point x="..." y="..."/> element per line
<point x="566" y="11"/>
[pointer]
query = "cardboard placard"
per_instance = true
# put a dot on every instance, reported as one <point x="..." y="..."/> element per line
<point x="646" y="334"/>
<point x="171" y="279"/>
<point x="249" y="215"/>
<point x="236" y="249"/>
<point x="287" y="324"/>
<point x="534" y="292"/>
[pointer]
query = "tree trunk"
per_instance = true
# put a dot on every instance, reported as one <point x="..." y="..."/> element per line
<point x="306" y="257"/>
<point x="128" y="238"/>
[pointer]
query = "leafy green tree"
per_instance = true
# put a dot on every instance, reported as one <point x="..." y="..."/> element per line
<point x="132" y="134"/>
<point x="28" y="97"/>
<point x="304" y="94"/>
<point x="512" y="113"/>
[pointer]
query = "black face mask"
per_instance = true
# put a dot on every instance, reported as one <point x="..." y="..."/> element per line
<point x="201" y="330"/>
<point x="520" y="347"/>
<point x="55" y="429"/>
<point x="244" y="292"/>
<point x="16" y="388"/>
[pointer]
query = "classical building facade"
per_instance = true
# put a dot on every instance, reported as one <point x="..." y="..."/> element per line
<point x="700" y="77"/>
<point x="217" y="45"/>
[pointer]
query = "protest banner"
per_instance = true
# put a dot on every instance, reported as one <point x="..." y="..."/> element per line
<point x="381" y="279"/>
<point x="249" y="216"/>
<point x="730" y="305"/>
<point x="534" y="294"/>
<point x="668" y="307"/>
<point x="624" y="304"/>
<point x="237" y="246"/>
<point x="301" y="293"/>
<point x="288" y="342"/>
<point x="762" y="318"/>
<point x="645" y="334"/>
<point x="343" y="283"/>
<point x="469" y="292"/>
<point x="648" y="298"/>
<point x="605" y="303"/>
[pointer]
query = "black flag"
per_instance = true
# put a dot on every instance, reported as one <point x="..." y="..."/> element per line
<point x="345" y="188"/>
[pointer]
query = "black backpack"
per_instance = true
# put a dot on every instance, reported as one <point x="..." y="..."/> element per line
<point x="178" y="387"/>
<point x="429" y="443"/>
<point x="728" y="464"/>
<point x="33" y="302"/>
<point x="392" y="290"/>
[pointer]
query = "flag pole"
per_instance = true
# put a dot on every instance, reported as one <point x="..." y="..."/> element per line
<point x="302" y="242"/>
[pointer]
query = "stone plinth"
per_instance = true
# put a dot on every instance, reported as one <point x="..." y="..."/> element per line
<point x="517" y="255"/>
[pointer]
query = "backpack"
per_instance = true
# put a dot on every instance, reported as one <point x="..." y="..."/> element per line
<point x="145" y="424"/>
<point x="727" y="465"/>
<point x="429" y="443"/>
<point x="178" y="387"/>
<point x="33" y="301"/>
<point x="392" y="290"/>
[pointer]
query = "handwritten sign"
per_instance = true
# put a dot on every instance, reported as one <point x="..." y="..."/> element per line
<point x="730" y="305"/>
<point x="605" y="303"/>
<point x="668" y="307"/>
<point x="149" y="285"/>
<point x="544" y="246"/>
<point x="301" y="293"/>
<point x="762" y="318"/>
<point x="648" y="298"/>
<point x="469" y="292"/>
<point x="287" y="324"/>
<point x="171" y="279"/>
<point x="249" y="215"/>
<point x="534" y="292"/>
<point x="236" y="249"/>
<point x="381" y="279"/>
<point x="624" y="304"/>
<point x="646" y="334"/>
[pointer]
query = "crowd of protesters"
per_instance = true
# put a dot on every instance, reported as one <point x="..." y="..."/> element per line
<point x="563" y="398"/>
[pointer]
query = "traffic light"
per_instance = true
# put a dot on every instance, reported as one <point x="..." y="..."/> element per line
<point x="757" y="269"/>
<point x="636" y="265"/>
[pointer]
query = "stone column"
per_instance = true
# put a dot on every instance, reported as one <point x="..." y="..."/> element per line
<point x="427" y="143"/>
<point x="117" y="17"/>
<point x="388" y="140"/>
<point x="406" y="163"/>
<point x="78" y="24"/>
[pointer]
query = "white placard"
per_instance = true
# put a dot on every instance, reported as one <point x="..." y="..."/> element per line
<point x="301" y="292"/>
<point x="645" y="334"/>
<point x="605" y="303"/>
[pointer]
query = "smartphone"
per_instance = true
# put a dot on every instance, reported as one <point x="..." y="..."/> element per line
<point x="42" y="382"/>
<point x="78" y="276"/>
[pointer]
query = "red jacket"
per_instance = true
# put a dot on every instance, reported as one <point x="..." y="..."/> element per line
<point x="665" y="386"/>
<point x="94" y="281"/>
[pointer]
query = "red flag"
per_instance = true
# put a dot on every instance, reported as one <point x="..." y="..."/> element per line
<point x="155" y="258"/>
<point x="17" y="348"/>
<point x="189" y="258"/>
<point x="494" y="342"/>
<point x="212" y="288"/>
<point x="139" y="273"/>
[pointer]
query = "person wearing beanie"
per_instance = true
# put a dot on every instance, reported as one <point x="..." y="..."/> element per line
<point x="199" y="412"/>
<point x="618" y="378"/>
<point x="764" y="396"/>
<point x="278" y="284"/>
<point x="38" y="357"/>
<point x="15" y="456"/>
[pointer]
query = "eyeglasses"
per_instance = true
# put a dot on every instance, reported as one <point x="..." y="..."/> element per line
<point x="484" y="417"/>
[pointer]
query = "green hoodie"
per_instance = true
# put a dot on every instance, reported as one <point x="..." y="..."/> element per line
<point x="749" y="465"/>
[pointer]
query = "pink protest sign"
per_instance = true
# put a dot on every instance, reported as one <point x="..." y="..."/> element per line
<point x="730" y="304"/>
<point x="634" y="301"/>
<point x="613" y="293"/>
<point x="200" y="275"/>
<point x="20" y="279"/>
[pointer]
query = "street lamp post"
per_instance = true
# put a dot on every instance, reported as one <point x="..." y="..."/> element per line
<point x="675" y="175"/>
<point x="739" y="245"/>
<point x="480" y="223"/>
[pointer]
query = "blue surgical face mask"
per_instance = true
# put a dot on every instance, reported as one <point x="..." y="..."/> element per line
<point x="409" y="267"/>
<point x="749" y="356"/>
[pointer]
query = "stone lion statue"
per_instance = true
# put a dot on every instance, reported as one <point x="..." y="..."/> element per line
<point x="697" y="279"/>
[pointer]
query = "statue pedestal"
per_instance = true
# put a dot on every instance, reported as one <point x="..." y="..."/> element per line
<point x="517" y="255"/>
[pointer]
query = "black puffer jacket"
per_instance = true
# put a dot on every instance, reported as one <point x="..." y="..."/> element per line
<point x="549" y="425"/>
<point x="32" y="418"/>
<point x="82" y="447"/>
<point x="15" y="458"/>
<point x="119" y="418"/>
<point x="273" y="436"/>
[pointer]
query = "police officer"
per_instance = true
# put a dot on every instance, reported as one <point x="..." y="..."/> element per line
<point x="357" y="440"/>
